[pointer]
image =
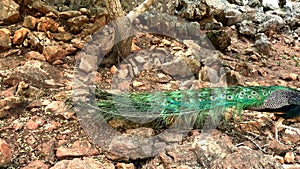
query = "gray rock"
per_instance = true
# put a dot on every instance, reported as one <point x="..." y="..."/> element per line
<point x="192" y="10"/>
<point x="208" y="74"/>
<point x="211" y="150"/>
<point x="270" y="22"/>
<point x="88" y="63"/>
<point x="176" y="68"/>
<point x="254" y="3"/>
<point x="232" y="16"/>
<point x="247" y="28"/>
<point x="262" y="43"/>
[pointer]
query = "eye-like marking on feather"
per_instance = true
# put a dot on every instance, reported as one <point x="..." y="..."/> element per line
<point x="212" y="97"/>
<point x="264" y="98"/>
<point x="229" y="97"/>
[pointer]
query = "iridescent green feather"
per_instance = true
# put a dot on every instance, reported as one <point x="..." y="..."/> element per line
<point x="147" y="106"/>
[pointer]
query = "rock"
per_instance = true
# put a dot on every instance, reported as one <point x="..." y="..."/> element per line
<point x="85" y="11"/>
<point x="270" y="22"/>
<point x="297" y="159"/>
<point x="237" y="14"/>
<point x="39" y="74"/>
<point x="219" y="38"/>
<point x="47" y="150"/>
<point x="212" y="149"/>
<point x="88" y="63"/>
<point x="278" y="148"/>
<point x="233" y="78"/>
<point x="262" y="43"/>
<point x="161" y="78"/>
<point x="244" y="156"/>
<point x="63" y="36"/>
<point x="69" y="14"/>
<point x="216" y="7"/>
<point x="125" y="166"/>
<point x="213" y="26"/>
<point x="270" y="5"/>
<point x="289" y="157"/>
<point x="20" y="35"/>
<point x="233" y="16"/>
<point x="47" y="24"/>
<point x="76" y="23"/>
<point x="208" y="74"/>
<point x="279" y="159"/>
<point x="5" y="153"/>
<point x="33" y="55"/>
<point x="291" y="166"/>
<point x="289" y="76"/>
<point x="37" y="164"/>
<point x="9" y="11"/>
<point x="137" y="83"/>
<point x="35" y="122"/>
<point x="171" y="68"/>
<point x="79" y="148"/>
<point x="254" y="3"/>
<point x="43" y="8"/>
<point x="56" y="107"/>
<point x="141" y="132"/>
<point x="30" y="22"/>
<point x="5" y="42"/>
<point x="195" y="10"/>
<point x="123" y="73"/>
<point x="53" y="125"/>
<point x="53" y="53"/>
<point x="247" y="28"/>
<point x="85" y="163"/>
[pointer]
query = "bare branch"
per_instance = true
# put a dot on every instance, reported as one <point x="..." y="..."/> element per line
<point x="140" y="9"/>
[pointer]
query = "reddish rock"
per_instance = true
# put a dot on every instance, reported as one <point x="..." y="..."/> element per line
<point x="289" y="157"/>
<point x="53" y="53"/>
<point x="20" y="35"/>
<point x="30" y="22"/>
<point x="79" y="148"/>
<point x="279" y="159"/>
<point x="9" y="92"/>
<point x="34" y="104"/>
<point x="47" y="150"/>
<point x="5" y="153"/>
<point x="34" y="123"/>
<point x="47" y="24"/>
<point x="34" y="55"/>
<point x="297" y="158"/>
<point x="53" y="125"/>
<point x="31" y="140"/>
<point x="36" y="165"/>
<point x="85" y="163"/>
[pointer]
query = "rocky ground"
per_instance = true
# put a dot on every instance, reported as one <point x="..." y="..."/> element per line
<point x="44" y="47"/>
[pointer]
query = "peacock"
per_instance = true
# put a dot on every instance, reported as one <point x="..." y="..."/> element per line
<point x="144" y="107"/>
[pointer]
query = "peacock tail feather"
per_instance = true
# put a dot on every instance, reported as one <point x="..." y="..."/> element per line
<point x="145" y="107"/>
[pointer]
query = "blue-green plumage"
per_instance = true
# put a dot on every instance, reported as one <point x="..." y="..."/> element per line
<point x="151" y="105"/>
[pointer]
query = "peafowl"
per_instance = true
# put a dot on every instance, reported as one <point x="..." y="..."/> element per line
<point x="147" y="106"/>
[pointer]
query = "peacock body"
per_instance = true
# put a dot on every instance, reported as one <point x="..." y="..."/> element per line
<point x="146" y="106"/>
